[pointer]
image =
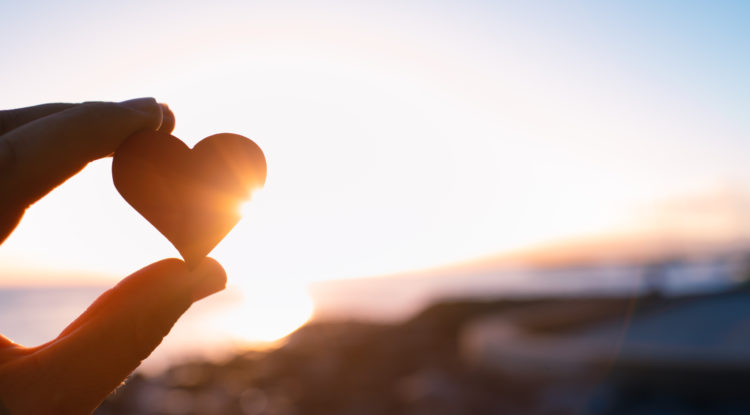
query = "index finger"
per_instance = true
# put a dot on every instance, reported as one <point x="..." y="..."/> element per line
<point x="40" y="155"/>
<point x="11" y="119"/>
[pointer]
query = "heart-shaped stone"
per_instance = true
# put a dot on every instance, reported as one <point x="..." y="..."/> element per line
<point x="191" y="196"/>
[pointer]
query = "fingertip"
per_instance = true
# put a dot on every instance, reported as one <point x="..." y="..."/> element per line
<point x="167" y="118"/>
<point x="211" y="278"/>
<point x="210" y="265"/>
<point x="146" y="104"/>
<point x="169" y="266"/>
<point x="146" y="107"/>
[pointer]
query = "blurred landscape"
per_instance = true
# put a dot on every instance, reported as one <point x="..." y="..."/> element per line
<point x="629" y="335"/>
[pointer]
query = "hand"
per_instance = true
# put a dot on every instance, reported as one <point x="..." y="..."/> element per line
<point x="40" y="148"/>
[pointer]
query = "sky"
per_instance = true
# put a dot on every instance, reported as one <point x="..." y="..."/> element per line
<point x="398" y="135"/>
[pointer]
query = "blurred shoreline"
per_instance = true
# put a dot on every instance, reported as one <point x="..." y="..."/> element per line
<point x="582" y="339"/>
<point x="563" y="356"/>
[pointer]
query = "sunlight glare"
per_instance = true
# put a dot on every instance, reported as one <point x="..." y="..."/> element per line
<point x="246" y="207"/>
<point x="266" y="314"/>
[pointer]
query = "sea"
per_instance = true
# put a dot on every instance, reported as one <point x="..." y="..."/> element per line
<point x="34" y="315"/>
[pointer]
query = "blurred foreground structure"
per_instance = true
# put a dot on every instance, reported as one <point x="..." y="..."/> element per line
<point x="649" y="353"/>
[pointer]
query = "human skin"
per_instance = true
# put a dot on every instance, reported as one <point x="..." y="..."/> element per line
<point x="40" y="148"/>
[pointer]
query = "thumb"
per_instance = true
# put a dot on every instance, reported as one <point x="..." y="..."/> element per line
<point x="109" y="340"/>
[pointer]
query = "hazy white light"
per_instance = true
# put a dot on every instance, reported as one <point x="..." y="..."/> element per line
<point x="267" y="313"/>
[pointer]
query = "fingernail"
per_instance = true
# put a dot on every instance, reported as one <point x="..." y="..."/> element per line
<point x="142" y="104"/>
<point x="209" y="278"/>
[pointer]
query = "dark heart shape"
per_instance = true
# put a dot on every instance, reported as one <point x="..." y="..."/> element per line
<point x="191" y="196"/>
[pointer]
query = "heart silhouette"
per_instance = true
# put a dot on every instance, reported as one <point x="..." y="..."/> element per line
<point x="191" y="196"/>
